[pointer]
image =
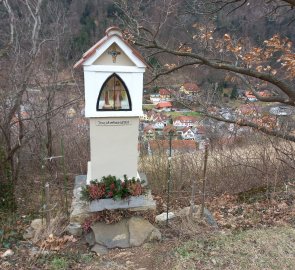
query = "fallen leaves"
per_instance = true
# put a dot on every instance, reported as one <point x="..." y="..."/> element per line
<point x="56" y="243"/>
<point x="230" y="213"/>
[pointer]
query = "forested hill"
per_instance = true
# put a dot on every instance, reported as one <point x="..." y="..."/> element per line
<point x="85" y="21"/>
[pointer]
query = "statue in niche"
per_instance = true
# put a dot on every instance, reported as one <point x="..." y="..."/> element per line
<point x="114" y="96"/>
<point x="117" y="95"/>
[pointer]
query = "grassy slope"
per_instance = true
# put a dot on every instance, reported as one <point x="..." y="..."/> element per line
<point x="271" y="248"/>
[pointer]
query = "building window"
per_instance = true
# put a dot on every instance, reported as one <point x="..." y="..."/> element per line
<point x="114" y="95"/>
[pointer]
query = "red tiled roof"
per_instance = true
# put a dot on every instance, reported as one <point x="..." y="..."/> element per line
<point x="169" y="128"/>
<point x="93" y="49"/>
<point x="249" y="94"/>
<point x="186" y="119"/>
<point x="164" y="92"/>
<point x="192" y="87"/>
<point x="149" y="127"/>
<point x="186" y="129"/>
<point x="164" y="104"/>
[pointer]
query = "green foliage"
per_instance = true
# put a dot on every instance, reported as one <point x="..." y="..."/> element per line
<point x="59" y="264"/>
<point x="112" y="187"/>
<point x="234" y="93"/>
<point x="83" y="40"/>
<point x="154" y="62"/>
<point x="11" y="229"/>
<point x="113" y="11"/>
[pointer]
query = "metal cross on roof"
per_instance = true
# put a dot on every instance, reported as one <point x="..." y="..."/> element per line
<point x="114" y="53"/>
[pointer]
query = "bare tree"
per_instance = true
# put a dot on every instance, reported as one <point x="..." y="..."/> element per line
<point x="173" y="31"/>
<point x="30" y="76"/>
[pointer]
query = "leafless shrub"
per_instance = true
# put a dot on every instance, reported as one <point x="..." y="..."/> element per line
<point x="56" y="226"/>
<point x="261" y="162"/>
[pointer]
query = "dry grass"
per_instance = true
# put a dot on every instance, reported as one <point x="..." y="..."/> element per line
<point x="272" y="248"/>
<point x="230" y="170"/>
<point x="56" y="226"/>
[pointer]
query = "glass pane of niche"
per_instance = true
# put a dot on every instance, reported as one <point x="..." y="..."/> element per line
<point x="114" y="96"/>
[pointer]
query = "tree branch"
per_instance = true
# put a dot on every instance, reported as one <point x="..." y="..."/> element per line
<point x="219" y="64"/>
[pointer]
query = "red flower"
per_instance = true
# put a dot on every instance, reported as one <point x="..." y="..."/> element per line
<point x="96" y="191"/>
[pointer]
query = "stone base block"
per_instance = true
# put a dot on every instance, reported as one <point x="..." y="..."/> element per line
<point x="132" y="232"/>
<point x="135" y="203"/>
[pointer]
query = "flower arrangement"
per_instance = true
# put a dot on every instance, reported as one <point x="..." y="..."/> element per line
<point x="112" y="187"/>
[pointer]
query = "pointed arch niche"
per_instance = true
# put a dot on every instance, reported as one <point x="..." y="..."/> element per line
<point x="114" y="95"/>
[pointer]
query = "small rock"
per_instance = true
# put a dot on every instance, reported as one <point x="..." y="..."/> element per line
<point x="112" y="235"/>
<point x="37" y="224"/>
<point x="7" y="253"/>
<point x="34" y="251"/>
<point x="99" y="249"/>
<point x="185" y="211"/>
<point x="163" y="217"/>
<point x="155" y="235"/>
<point x="74" y="229"/>
<point x="207" y="215"/>
<point x="141" y="230"/>
<point x="29" y="234"/>
<point x="129" y="263"/>
<point x="210" y="219"/>
<point x="90" y="238"/>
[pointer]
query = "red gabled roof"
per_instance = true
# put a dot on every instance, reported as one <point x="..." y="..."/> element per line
<point x="93" y="49"/>
<point x="164" y="92"/>
<point x="149" y="127"/>
<point x="186" y="129"/>
<point x="164" y="104"/>
<point x="249" y="94"/>
<point x="192" y="87"/>
<point x="169" y="128"/>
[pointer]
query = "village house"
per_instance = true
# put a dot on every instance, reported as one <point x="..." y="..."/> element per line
<point x="185" y="121"/>
<point x="250" y="97"/>
<point x="155" y="117"/>
<point x="144" y="117"/>
<point x="159" y="125"/>
<point x="161" y="117"/>
<point x="155" y="98"/>
<point x="165" y="94"/>
<point x="189" y="89"/>
<point x="164" y="106"/>
<point x="177" y="147"/>
<point x="149" y="132"/>
<point x="187" y="133"/>
<point x="169" y="129"/>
